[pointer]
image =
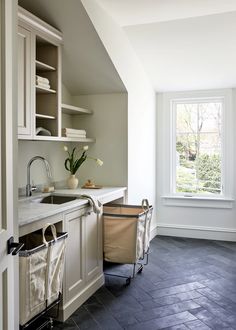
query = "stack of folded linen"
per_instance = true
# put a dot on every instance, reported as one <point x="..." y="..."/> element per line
<point x="74" y="133"/>
<point x="42" y="82"/>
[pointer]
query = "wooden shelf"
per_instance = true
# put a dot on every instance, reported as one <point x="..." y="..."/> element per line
<point x="73" y="110"/>
<point x="38" y="115"/>
<point x="42" y="67"/>
<point x="63" y="139"/>
<point x="45" y="138"/>
<point x="42" y="90"/>
<point x="85" y="140"/>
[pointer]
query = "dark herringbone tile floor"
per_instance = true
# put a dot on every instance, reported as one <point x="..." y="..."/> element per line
<point x="188" y="284"/>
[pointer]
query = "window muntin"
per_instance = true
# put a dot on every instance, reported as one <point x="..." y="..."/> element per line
<point x="197" y="147"/>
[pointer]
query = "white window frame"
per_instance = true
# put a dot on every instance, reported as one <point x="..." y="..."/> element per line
<point x="173" y="105"/>
<point x="171" y="197"/>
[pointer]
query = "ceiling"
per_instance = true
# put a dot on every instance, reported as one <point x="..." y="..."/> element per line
<point x="182" y="44"/>
<point x="136" y="12"/>
<point x="87" y="68"/>
<point x="189" y="54"/>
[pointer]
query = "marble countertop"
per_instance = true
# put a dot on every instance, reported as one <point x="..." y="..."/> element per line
<point x="29" y="210"/>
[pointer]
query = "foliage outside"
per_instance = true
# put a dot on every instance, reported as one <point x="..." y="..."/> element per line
<point x="198" y="148"/>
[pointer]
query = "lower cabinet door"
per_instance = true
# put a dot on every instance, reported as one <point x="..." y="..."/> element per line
<point x="93" y="260"/>
<point x="75" y="255"/>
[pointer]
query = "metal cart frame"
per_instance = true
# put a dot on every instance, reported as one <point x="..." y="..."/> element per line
<point x="146" y="211"/>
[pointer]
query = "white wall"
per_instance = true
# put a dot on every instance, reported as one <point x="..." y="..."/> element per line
<point x="52" y="151"/>
<point x="108" y="125"/>
<point x="141" y="105"/>
<point x="198" y="222"/>
<point x="65" y="95"/>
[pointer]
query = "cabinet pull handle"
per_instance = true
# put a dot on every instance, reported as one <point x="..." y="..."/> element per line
<point x="13" y="247"/>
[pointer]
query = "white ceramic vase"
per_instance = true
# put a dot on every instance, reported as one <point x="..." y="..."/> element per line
<point x="72" y="182"/>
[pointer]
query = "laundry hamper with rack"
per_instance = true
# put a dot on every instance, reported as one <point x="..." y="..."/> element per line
<point x="127" y="234"/>
<point x="41" y="265"/>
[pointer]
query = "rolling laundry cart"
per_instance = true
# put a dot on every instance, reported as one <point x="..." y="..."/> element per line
<point x="41" y="272"/>
<point x="127" y="235"/>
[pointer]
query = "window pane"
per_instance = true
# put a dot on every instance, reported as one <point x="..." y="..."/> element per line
<point x="198" y="147"/>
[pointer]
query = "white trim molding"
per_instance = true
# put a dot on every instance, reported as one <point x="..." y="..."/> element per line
<point x="38" y="24"/>
<point x="200" y="232"/>
<point x="193" y="201"/>
<point x="154" y="232"/>
<point x="168" y="136"/>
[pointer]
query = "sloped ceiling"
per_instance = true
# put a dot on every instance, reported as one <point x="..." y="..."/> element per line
<point x="182" y="44"/>
<point x="87" y="68"/>
<point x="136" y="12"/>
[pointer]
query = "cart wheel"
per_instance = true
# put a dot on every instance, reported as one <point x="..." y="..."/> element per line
<point x="128" y="281"/>
<point x="50" y="325"/>
<point x="140" y="270"/>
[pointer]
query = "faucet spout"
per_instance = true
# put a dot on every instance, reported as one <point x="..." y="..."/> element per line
<point x="29" y="187"/>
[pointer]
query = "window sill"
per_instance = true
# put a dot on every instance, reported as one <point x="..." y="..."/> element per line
<point x="193" y="201"/>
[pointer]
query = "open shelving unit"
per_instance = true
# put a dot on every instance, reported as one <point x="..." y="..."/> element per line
<point x="38" y="115"/>
<point x="64" y="139"/>
<point x="43" y="90"/>
<point x="67" y="113"/>
<point x="46" y="99"/>
<point x="73" y="110"/>
<point x="39" y="100"/>
<point x="43" y="67"/>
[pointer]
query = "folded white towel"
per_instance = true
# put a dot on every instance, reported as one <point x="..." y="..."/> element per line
<point x="42" y="79"/>
<point x="73" y="131"/>
<point x="74" y="135"/>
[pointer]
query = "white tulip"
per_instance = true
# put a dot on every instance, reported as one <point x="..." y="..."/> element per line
<point x="85" y="148"/>
<point x="65" y="148"/>
<point x="99" y="162"/>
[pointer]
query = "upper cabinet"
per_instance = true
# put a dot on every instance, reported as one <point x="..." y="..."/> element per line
<point x="40" y="115"/>
<point x="24" y="83"/>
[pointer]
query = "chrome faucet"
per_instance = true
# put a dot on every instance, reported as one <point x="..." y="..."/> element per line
<point x="29" y="187"/>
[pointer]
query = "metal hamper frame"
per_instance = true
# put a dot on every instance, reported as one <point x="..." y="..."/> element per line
<point x="143" y="261"/>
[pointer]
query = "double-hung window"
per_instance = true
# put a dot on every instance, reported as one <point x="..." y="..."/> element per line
<point x="198" y="146"/>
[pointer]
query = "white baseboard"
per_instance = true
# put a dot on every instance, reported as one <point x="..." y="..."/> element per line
<point x="214" y="233"/>
<point x="153" y="233"/>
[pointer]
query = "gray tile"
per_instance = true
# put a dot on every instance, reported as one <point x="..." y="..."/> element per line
<point x="182" y="275"/>
<point x="177" y="327"/>
<point x="216" y="310"/>
<point x="102" y="316"/>
<point x="219" y="299"/>
<point x="84" y="319"/>
<point x="176" y="289"/>
<point x="166" y="310"/>
<point x="68" y="325"/>
<point x="209" y="319"/>
<point x="163" y="322"/>
<point x="197" y="325"/>
<point x="125" y="318"/>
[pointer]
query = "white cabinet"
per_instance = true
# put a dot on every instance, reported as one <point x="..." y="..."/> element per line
<point x="93" y="247"/>
<point x="24" y="83"/>
<point x="83" y="262"/>
<point x="74" y="267"/>
<point x="40" y="114"/>
<point x="39" y="78"/>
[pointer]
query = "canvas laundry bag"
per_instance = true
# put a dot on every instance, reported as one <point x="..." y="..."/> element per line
<point x="41" y="270"/>
<point x="126" y="232"/>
